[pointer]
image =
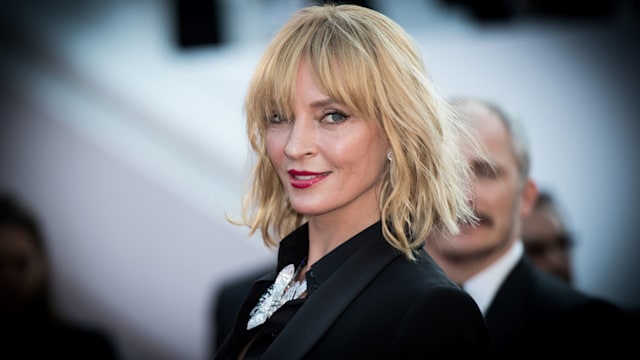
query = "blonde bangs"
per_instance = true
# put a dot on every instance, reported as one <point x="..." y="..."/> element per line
<point x="271" y="92"/>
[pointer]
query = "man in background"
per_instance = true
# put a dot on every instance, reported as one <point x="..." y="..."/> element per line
<point x="529" y="313"/>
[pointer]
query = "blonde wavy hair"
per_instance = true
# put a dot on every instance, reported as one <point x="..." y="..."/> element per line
<point x="366" y="61"/>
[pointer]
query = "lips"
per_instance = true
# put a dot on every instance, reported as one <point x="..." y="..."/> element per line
<point x="304" y="179"/>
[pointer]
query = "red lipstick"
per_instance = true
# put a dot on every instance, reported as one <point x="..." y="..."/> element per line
<point x="301" y="179"/>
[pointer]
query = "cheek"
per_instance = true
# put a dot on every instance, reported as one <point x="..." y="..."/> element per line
<point x="372" y="149"/>
<point x="360" y="158"/>
<point x="484" y="192"/>
<point x="275" y="152"/>
<point x="275" y="144"/>
<point x="491" y="195"/>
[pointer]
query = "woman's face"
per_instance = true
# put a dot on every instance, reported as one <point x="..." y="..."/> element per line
<point x="329" y="159"/>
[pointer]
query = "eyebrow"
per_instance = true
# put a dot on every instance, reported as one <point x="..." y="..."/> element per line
<point x="323" y="102"/>
<point x="484" y="163"/>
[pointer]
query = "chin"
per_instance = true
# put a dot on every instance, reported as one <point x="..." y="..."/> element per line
<point x="307" y="210"/>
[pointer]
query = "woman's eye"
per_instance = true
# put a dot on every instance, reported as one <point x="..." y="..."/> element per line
<point x="277" y="119"/>
<point x="335" y="117"/>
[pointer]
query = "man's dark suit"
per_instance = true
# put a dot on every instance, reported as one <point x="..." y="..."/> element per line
<point x="534" y="312"/>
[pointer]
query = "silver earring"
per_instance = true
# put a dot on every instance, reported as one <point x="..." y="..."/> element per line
<point x="390" y="156"/>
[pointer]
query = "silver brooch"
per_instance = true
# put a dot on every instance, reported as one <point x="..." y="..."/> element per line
<point x="285" y="288"/>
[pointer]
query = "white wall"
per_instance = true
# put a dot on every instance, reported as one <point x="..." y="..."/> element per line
<point x="132" y="152"/>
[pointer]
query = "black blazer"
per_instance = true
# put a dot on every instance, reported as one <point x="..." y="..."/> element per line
<point x="377" y="305"/>
<point x="535" y="315"/>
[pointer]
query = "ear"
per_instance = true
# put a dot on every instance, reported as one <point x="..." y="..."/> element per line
<point x="529" y="197"/>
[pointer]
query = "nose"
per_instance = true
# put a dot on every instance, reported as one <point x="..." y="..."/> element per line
<point x="302" y="139"/>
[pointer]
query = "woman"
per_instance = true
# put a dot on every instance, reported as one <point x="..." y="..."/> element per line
<point x="356" y="164"/>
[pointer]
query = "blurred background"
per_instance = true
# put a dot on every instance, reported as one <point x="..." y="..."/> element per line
<point x="121" y="125"/>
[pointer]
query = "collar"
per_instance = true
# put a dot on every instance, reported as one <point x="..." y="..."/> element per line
<point x="295" y="246"/>
<point x="484" y="285"/>
<point x="365" y="255"/>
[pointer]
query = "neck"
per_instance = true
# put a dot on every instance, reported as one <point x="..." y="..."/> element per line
<point x="461" y="266"/>
<point x="324" y="236"/>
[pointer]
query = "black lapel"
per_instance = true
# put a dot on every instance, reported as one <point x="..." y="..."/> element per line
<point x="330" y="300"/>
<point x="508" y="308"/>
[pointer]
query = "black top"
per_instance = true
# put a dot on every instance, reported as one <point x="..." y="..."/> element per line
<point x="365" y="300"/>
<point x="294" y="251"/>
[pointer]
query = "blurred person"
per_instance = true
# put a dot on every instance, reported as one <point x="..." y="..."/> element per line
<point x="530" y="314"/>
<point x="546" y="239"/>
<point x="356" y="163"/>
<point x="30" y="326"/>
<point x="228" y="299"/>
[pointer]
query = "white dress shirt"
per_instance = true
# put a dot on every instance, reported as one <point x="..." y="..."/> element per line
<point x="484" y="285"/>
